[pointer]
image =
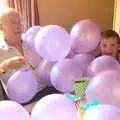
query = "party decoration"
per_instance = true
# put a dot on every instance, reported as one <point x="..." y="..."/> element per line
<point x="102" y="63"/>
<point x="105" y="87"/>
<point x="43" y="72"/>
<point x="53" y="43"/>
<point x="85" y="36"/>
<point x="22" y="86"/>
<point x="64" y="74"/>
<point x="80" y="87"/>
<point x="54" y="107"/>
<point x="94" y="102"/>
<point x="83" y="60"/>
<point x="102" y="112"/>
<point x="29" y="46"/>
<point x="10" y="110"/>
<point x="73" y="97"/>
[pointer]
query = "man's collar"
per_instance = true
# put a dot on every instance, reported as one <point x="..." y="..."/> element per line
<point x="8" y="46"/>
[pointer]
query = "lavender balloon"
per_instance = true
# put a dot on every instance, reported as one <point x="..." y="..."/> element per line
<point x="10" y="110"/>
<point x="85" y="36"/>
<point x="54" y="107"/>
<point x="105" y="87"/>
<point x="83" y="61"/>
<point x="43" y="72"/>
<point x="102" y="63"/>
<point x="102" y="112"/>
<point x="22" y="86"/>
<point x="64" y="74"/>
<point x="29" y="46"/>
<point x="53" y="43"/>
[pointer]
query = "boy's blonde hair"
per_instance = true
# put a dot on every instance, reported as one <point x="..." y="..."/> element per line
<point x="111" y="33"/>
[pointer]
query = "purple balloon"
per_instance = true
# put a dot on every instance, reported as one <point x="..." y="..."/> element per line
<point x="29" y="46"/>
<point x="64" y="74"/>
<point x="22" y="86"/>
<point x="102" y="63"/>
<point x="54" y="107"/>
<point x="85" y="36"/>
<point x="43" y="72"/>
<point x="105" y="87"/>
<point x="102" y="112"/>
<point x="95" y="52"/>
<point x="83" y="60"/>
<point x="53" y="43"/>
<point x="10" y="110"/>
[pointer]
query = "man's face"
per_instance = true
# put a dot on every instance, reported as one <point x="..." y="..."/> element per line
<point x="12" y="28"/>
<point x="109" y="46"/>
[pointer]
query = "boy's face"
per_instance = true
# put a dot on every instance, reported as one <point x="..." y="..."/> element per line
<point x="109" y="46"/>
<point x="12" y="28"/>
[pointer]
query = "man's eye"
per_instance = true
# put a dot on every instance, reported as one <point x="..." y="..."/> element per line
<point x="104" y="45"/>
<point x="13" y="22"/>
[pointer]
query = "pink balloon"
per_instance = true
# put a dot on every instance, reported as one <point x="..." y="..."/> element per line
<point x="53" y="43"/>
<point x="22" y="86"/>
<point x="29" y="46"/>
<point x="64" y="74"/>
<point x="10" y="110"/>
<point x="71" y="54"/>
<point x="54" y="107"/>
<point x="105" y="87"/>
<point x="83" y="60"/>
<point x="85" y="36"/>
<point x="43" y="72"/>
<point x="102" y="63"/>
<point x="102" y="112"/>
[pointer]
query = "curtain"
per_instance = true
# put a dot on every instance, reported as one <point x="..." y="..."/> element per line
<point x="28" y="10"/>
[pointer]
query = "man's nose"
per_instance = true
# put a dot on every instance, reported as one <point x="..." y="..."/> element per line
<point x="20" y="27"/>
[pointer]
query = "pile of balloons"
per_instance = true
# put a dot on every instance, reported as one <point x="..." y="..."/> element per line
<point x="59" y="59"/>
<point x="48" y="51"/>
<point x="57" y="107"/>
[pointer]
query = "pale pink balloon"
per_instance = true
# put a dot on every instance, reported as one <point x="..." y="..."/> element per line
<point x="102" y="63"/>
<point x="29" y="46"/>
<point x="105" y="87"/>
<point x="43" y="72"/>
<point x="10" y="110"/>
<point x="53" y="43"/>
<point x="85" y="36"/>
<point x="64" y="74"/>
<point x="22" y="86"/>
<point x="54" y="107"/>
<point x="102" y="112"/>
<point x="83" y="60"/>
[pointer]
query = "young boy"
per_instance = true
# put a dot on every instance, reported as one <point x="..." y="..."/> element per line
<point x="110" y="44"/>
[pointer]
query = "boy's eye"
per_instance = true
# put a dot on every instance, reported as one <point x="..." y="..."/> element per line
<point x="112" y="45"/>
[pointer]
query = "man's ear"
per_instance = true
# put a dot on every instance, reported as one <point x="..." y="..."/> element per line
<point x="1" y="27"/>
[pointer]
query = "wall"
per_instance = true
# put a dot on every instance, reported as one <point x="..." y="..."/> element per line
<point x="67" y="12"/>
<point x="116" y="20"/>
